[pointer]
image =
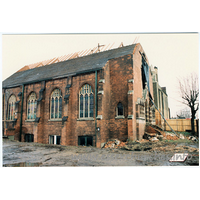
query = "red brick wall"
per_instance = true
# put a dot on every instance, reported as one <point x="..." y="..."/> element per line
<point x="116" y="75"/>
<point x="138" y="90"/>
<point x="121" y="71"/>
<point x="11" y="131"/>
<point x="137" y="86"/>
<point x="74" y="126"/>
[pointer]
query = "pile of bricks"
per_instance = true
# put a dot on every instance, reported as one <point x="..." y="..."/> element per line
<point x="114" y="144"/>
<point x="170" y="136"/>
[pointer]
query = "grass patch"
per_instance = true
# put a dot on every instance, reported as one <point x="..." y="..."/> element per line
<point x="185" y="133"/>
<point x="179" y="141"/>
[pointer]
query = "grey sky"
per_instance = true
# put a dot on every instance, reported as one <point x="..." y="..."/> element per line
<point x="175" y="55"/>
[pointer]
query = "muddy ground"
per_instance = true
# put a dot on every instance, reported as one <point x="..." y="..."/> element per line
<point x="22" y="154"/>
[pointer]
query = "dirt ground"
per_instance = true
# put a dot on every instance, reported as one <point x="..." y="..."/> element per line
<point x="20" y="154"/>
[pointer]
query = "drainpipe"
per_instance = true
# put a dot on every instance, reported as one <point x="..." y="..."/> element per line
<point x="20" y="132"/>
<point x="96" y="108"/>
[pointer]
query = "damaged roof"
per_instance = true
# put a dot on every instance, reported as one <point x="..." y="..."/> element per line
<point x="66" y="68"/>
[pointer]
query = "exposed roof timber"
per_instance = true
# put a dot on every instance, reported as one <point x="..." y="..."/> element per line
<point x="87" y="53"/>
<point x="99" y="48"/>
<point x="81" y="52"/>
<point x="111" y="46"/>
<point x="79" y="65"/>
<point x="136" y="40"/>
<point x="52" y="60"/>
<point x="107" y="47"/>
<point x="121" y="45"/>
<point x="64" y="57"/>
<point x="68" y="56"/>
<point x="104" y="47"/>
<point x="75" y="55"/>
<point x="96" y="50"/>
<point x="93" y="50"/>
<point x="60" y="58"/>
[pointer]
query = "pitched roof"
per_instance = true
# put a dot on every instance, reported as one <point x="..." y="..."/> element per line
<point x="71" y="67"/>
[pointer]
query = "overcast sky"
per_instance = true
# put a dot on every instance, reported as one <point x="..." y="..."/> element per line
<point x="175" y="55"/>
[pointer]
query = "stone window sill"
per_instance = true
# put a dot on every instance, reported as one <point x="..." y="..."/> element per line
<point x="130" y="116"/>
<point x="120" y="117"/>
<point x="140" y="118"/>
<point x="30" y="120"/>
<point x="55" y="120"/>
<point x="86" y="119"/>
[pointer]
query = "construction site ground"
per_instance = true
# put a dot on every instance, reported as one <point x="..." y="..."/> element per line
<point x="141" y="153"/>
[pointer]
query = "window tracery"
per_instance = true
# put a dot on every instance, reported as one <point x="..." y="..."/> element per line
<point x="86" y="102"/>
<point x="56" y="104"/>
<point x="11" y="108"/>
<point x="31" y="106"/>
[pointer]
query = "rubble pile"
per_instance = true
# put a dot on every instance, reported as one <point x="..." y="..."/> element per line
<point x="170" y="136"/>
<point x="153" y="137"/>
<point x="114" y="144"/>
<point x="152" y="142"/>
<point x="192" y="138"/>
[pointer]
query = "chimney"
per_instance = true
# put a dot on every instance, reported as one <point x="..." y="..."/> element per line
<point x="156" y="73"/>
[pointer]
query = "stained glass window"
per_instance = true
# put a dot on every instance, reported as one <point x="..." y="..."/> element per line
<point x="29" y="110"/>
<point x="12" y="111"/>
<point x="32" y="109"/>
<point x="31" y="106"/>
<point x="52" y="108"/>
<point x="11" y="107"/>
<point x="81" y="106"/>
<point x="56" y="105"/>
<point x="9" y="110"/>
<point x="60" y="107"/>
<point x="86" y="102"/>
<point x="86" y="105"/>
<point x="35" y="109"/>
<point x="91" y="104"/>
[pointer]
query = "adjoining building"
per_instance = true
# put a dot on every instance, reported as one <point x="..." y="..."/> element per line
<point x="160" y="100"/>
<point x="82" y="101"/>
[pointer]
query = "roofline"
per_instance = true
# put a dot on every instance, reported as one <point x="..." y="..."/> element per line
<point x="101" y="52"/>
<point x="72" y="74"/>
<point x="52" y="78"/>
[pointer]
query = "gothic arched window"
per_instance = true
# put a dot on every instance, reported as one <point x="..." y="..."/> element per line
<point x="11" y="108"/>
<point x="119" y="109"/>
<point x="56" y="105"/>
<point x="86" y="102"/>
<point x="31" y="106"/>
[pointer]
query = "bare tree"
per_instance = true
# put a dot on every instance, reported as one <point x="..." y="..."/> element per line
<point x="183" y="113"/>
<point x="189" y="89"/>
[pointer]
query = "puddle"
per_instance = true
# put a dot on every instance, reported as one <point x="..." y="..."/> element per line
<point x="22" y="164"/>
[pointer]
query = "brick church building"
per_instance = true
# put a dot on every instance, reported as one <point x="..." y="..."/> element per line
<point x="81" y="101"/>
